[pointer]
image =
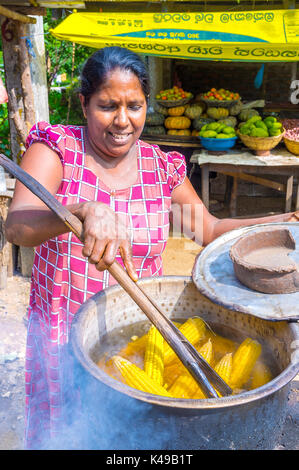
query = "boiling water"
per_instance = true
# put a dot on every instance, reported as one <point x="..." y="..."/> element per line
<point x="113" y="342"/>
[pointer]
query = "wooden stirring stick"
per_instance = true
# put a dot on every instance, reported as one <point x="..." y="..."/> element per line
<point x="191" y="359"/>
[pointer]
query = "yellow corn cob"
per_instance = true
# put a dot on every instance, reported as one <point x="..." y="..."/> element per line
<point x="224" y="367"/>
<point x="172" y="371"/>
<point x="193" y="329"/>
<point x="243" y="361"/>
<point x="221" y="345"/>
<point x="185" y="386"/>
<point x="137" y="378"/>
<point x="137" y="345"/>
<point x="260" y="375"/>
<point x="154" y="355"/>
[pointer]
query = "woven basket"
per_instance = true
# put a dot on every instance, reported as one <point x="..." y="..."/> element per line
<point x="218" y="103"/>
<point x="261" y="145"/>
<point x="292" y="146"/>
<point x="173" y="104"/>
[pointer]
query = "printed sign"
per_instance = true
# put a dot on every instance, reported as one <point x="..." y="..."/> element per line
<point x="258" y="36"/>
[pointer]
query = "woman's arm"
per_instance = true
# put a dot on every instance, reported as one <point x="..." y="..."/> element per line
<point x="190" y="215"/>
<point x="30" y="222"/>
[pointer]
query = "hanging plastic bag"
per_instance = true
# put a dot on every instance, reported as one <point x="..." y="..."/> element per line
<point x="3" y="93"/>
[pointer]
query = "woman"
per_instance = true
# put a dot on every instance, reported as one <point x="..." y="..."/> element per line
<point x="122" y="190"/>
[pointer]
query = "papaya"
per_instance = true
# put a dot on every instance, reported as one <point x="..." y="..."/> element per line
<point x="213" y="126"/>
<point x="221" y="136"/>
<point x="261" y="124"/>
<point x="258" y="132"/>
<point x="220" y="129"/>
<point x="269" y="121"/>
<point x="209" y="134"/>
<point x="228" y="130"/>
<point x="254" y="119"/>
<point x="245" y="130"/>
<point x="273" y="131"/>
<point x="276" y="125"/>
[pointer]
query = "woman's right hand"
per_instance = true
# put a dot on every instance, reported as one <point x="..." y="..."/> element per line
<point x="104" y="236"/>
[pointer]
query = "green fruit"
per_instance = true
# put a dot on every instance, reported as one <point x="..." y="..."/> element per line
<point x="270" y="119"/>
<point x="213" y="126"/>
<point x="258" y="132"/>
<point x="261" y="125"/>
<point x="276" y="125"/>
<point x="253" y="119"/>
<point x="222" y="136"/>
<point x="273" y="131"/>
<point x="245" y="130"/>
<point x="204" y="128"/>
<point x="228" y="130"/>
<point x="220" y="128"/>
<point x="209" y="134"/>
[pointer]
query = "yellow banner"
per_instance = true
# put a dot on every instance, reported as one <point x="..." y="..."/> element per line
<point x="257" y="36"/>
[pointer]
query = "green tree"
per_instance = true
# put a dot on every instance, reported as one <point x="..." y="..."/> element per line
<point x="64" y="57"/>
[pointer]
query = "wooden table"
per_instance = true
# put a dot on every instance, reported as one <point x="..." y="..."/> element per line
<point x="243" y="164"/>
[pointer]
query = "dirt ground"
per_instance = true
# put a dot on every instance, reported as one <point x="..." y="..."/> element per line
<point x="178" y="259"/>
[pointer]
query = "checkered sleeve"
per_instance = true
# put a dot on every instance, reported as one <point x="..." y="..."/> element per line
<point x="173" y="167"/>
<point x="52" y="135"/>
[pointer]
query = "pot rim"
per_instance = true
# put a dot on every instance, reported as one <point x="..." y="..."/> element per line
<point x="274" y="385"/>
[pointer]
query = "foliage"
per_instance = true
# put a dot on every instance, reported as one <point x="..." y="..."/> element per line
<point x="61" y="110"/>
<point x="59" y="53"/>
<point x="64" y="105"/>
<point x="4" y="130"/>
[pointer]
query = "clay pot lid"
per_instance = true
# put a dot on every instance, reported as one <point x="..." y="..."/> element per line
<point x="265" y="251"/>
<point x="262" y="261"/>
<point x="214" y="276"/>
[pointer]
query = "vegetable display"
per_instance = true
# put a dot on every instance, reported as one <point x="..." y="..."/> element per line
<point x="217" y="130"/>
<point x="173" y="94"/>
<point x="255" y="126"/>
<point x="177" y="122"/>
<point x="221" y="95"/>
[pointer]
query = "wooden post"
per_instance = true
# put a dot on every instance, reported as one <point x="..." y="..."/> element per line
<point x="10" y="44"/>
<point x="38" y="70"/>
<point x="26" y="82"/>
<point x="155" y="67"/>
<point x="5" y="246"/>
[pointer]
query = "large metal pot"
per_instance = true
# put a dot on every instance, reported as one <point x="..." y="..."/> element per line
<point x="119" y="417"/>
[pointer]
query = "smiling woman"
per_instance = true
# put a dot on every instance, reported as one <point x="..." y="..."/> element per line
<point x="124" y="191"/>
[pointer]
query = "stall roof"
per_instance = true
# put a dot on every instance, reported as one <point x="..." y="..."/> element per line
<point x="252" y="36"/>
<point x="203" y="4"/>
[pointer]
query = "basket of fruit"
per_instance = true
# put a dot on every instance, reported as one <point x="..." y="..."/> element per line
<point x="220" y="98"/>
<point x="291" y="140"/>
<point x="261" y="135"/>
<point x="173" y="97"/>
<point x="217" y="137"/>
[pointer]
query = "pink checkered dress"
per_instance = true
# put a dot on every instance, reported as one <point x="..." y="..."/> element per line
<point x="62" y="279"/>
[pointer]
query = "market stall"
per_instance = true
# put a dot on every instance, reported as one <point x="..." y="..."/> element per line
<point x="271" y="36"/>
<point x="192" y="115"/>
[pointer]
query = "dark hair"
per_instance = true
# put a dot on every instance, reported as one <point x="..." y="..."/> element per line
<point x="105" y="60"/>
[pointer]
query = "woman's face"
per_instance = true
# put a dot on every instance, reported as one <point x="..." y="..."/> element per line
<point x="115" y="114"/>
